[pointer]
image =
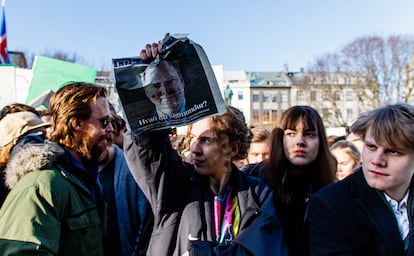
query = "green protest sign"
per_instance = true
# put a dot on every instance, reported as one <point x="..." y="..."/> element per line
<point x="51" y="74"/>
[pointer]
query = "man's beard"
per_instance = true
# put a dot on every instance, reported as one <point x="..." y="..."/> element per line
<point x="91" y="150"/>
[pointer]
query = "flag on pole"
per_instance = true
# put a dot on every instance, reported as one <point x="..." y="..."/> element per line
<point x="4" y="55"/>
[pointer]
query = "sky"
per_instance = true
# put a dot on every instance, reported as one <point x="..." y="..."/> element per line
<point x="261" y="35"/>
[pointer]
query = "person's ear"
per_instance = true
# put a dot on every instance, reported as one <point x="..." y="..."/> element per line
<point x="76" y="124"/>
<point x="235" y="146"/>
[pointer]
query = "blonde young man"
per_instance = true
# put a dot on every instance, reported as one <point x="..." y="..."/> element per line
<point x="370" y="212"/>
<point x="259" y="149"/>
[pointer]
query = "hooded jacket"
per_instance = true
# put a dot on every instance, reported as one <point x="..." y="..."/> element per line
<point x="182" y="203"/>
<point x="51" y="209"/>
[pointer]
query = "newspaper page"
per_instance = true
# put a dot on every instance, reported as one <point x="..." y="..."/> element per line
<point x="176" y="89"/>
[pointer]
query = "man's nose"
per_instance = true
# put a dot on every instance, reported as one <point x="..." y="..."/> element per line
<point x="378" y="158"/>
<point x="162" y="90"/>
<point x="109" y="128"/>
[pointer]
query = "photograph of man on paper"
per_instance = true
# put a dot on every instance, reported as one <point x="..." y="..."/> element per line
<point x="176" y="88"/>
<point x="164" y="86"/>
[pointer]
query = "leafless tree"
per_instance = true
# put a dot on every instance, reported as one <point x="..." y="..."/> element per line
<point x="382" y="63"/>
<point x="57" y="54"/>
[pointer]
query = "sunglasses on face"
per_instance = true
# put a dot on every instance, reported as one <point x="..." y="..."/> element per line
<point x="104" y="121"/>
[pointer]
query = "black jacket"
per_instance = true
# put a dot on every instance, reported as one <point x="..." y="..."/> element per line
<point x="291" y="214"/>
<point x="182" y="203"/>
<point x="351" y="218"/>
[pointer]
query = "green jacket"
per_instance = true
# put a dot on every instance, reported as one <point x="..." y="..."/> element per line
<point x="50" y="210"/>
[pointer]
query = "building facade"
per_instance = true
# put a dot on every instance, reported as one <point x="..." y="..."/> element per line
<point x="263" y="96"/>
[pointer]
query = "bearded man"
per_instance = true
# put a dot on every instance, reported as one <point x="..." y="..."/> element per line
<point x="55" y="206"/>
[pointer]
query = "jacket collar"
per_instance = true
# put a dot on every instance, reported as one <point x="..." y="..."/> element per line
<point x="373" y="203"/>
<point x="240" y="183"/>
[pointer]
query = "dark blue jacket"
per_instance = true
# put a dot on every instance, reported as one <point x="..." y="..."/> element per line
<point x="182" y="203"/>
<point x="132" y="209"/>
<point x="351" y="218"/>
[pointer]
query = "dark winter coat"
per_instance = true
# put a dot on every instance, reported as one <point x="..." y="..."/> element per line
<point x="182" y="203"/>
<point x="351" y="218"/>
<point x="52" y="208"/>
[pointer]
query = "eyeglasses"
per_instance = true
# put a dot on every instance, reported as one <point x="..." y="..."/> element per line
<point x="104" y="121"/>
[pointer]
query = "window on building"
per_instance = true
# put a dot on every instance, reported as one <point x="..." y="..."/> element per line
<point x="325" y="112"/>
<point x="349" y="96"/>
<point x="255" y="97"/>
<point x="256" y="115"/>
<point x="325" y="95"/>
<point x="266" y="98"/>
<point x="274" y="115"/>
<point x="274" y="98"/>
<point x="254" y="82"/>
<point x="337" y="95"/>
<point x="240" y="95"/>
<point x="266" y="115"/>
<point x="313" y="95"/>
<point x="299" y="95"/>
<point x="349" y="113"/>
<point x="284" y="97"/>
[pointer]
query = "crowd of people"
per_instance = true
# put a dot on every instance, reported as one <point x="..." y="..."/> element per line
<point x="78" y="182"/>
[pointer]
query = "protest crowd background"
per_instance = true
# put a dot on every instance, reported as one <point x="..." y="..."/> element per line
<point x="314" y="162"/>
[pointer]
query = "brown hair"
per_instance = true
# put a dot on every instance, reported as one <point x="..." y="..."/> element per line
<point x="71" y="102"/>
<point x="232" y="124"/>
<point x="321" y="171"/>
<point x="391" y="125"/>
<point x="17" y="107"/>
<point x="118" y="123"/>
<point x="349" y="148"/>
<point x="259" y="134"/>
